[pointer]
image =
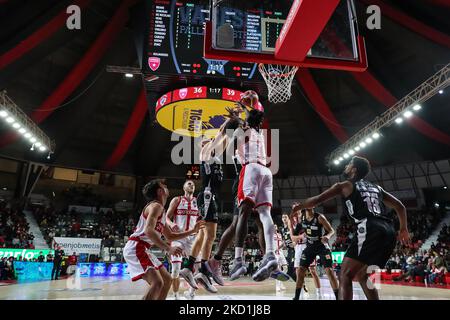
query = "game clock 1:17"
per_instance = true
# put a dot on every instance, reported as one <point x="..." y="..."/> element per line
<point x="225" y="94"/>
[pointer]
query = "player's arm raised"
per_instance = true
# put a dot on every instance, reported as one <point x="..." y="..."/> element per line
<point x="338" y="189"/>
<point x="172" y="236"/>
<point x="392" y="202"/>
<point x="328" y="228"/>
<point x="222" y="142"/>
<point x="216" y="146"/>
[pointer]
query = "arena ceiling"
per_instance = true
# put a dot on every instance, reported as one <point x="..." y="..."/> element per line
<point x="94" y="116"/>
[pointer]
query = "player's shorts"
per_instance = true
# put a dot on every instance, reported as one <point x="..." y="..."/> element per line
<point x="213" y="210"/>
<point x="281" y="258"/>
<point x="298" y="254"/>
<point x="139" y="259"/>
<point x="312" y="251"/>
<point x="373" y="242"/>
<point x="186" y="245"/>
<point x="255" y="185"/>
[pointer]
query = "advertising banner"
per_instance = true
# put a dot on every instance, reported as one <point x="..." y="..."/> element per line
<point x="78" y="245"/>
<point x="33" y="270"/>
<point x="103" y="269"/>
<point x="338" y="257"/>
<point x="24" y="253"/>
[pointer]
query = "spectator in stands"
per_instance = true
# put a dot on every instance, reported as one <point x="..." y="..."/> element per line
<point x="409" y="272"/>
<point x="49" y="257"/>
<point x="41" y="257"/>
<point x="75" y="228"/>
<point x="3" y="270"/>
<point x="391" y="264"/>
<point x="439" y="261"/>
<point x="437" y="274"/>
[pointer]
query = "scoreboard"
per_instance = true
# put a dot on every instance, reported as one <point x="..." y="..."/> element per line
<point x="175" y="38"/>
<point x="196" y="111"/>
<point x="174" y="42"/>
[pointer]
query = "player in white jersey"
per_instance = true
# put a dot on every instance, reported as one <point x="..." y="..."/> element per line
<point x="181" y="216"/>
<point x="142" y="264"/>
<point x="255" y="182"/>
<point x="281" y="259"/>
<point x="255" y="188"/>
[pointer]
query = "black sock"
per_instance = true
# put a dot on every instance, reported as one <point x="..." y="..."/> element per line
<point x="336" y="293"/>
<point x="298" y="291"/>
<point x="203" y="268"/>
<point x="189" y="263"/>
<point x="218" y="257"/>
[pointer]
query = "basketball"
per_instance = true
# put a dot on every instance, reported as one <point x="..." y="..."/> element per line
<point x="250" y="99"/>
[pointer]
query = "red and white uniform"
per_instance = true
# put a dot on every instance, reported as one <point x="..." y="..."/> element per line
<point x="255" y="179"/>
<point x="185" y="217"/>
<point x="136" y="252"/>
<point x="279" y="254"/>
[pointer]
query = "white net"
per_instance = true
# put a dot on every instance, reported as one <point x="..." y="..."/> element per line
<point x="279" y="81"/>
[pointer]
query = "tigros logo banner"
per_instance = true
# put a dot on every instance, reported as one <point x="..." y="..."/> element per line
<point x="23" y="253"/>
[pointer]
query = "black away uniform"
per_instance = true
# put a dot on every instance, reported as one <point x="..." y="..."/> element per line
<point x="212" y="177"/>
<point x="375" y="236"/>
<point x="314" y="246"/>
<point x="291" y="251"/>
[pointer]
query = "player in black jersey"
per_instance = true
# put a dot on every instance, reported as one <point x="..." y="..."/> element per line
<point x="299" y="239"/>
<point x="376" y="237"/>
<point x="207" y="201"/>
<point x="285" y="233"/>
<point x="312" y="225"/>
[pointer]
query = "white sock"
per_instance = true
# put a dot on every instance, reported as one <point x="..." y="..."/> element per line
<point x="268" y="227"/>
<point x="278" y="284"/>
<point x="318" y="291"/>
<point x="238" y="252"/>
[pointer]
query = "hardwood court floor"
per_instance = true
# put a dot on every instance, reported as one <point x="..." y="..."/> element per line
<point x="112" y="288"/>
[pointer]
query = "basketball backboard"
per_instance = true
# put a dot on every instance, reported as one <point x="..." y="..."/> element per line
<point x="305" y="33"/>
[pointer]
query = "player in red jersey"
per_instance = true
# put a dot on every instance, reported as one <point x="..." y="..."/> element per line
<point x="182" y="215"/>
<point x="142" y="264"/>
<point x="255" y="184"/>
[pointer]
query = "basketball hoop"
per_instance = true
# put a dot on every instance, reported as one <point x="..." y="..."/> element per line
<point x="279" y="81"/>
